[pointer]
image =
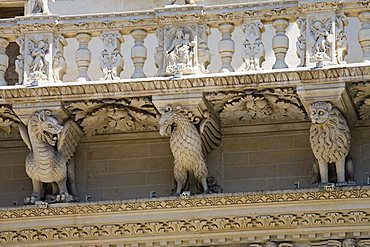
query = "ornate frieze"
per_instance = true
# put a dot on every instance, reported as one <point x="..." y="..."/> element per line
<point x="115" y="116"/>
<point x="251" y="106"/>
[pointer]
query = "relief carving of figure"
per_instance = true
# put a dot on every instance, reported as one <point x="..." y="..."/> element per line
<point x="320" y="40"/>
<point x="180" y="54"/>
<point x="40" y="7"/>
<point x="59" y="62"/>
<point x="186" y="147"/>
<point x="19" y="63"/>
<point x="38" y="53"/>
<point x="330" y="142"/>
<point x="50" y="158"/>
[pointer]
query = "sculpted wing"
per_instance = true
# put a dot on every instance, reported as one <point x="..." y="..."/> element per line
<point x="69" y="139"/>
<point x="210" y="133"/>
<point x="24" y="134"/>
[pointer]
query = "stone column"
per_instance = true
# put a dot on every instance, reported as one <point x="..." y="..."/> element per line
<point x="364" y="35"/>
<point x="139" y="53"/>
<point x="226" y="47"/>
<point x="83" y="56"/>
<point x="4" y="60"/>
<point x="280" y="43"/>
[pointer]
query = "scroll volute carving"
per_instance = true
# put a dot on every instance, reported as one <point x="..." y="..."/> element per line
<point x="330" y="142"/>
<point x="50" y="160"/>
<point x="115" y="116"/>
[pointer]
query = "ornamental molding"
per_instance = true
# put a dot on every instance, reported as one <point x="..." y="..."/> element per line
<point x="222" y="218"/>
<point x="202" y="83"/>
<point x="195" y="202"/>
<point x="114" y="116"/>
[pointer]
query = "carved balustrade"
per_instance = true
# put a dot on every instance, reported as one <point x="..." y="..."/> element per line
<point x="182" y="36"/>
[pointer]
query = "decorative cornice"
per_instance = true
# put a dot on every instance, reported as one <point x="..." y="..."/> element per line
<point x="200" y="83"/>
<point x="206" y="201"/>
<point x="222" y="218"/>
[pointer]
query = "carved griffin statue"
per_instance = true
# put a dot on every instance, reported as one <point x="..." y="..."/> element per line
<point x="51" y="149"/>
<point x="186" y="147"/>
<point x="330" y="141"/>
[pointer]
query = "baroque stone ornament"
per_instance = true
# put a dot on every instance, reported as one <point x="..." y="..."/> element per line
<point x="115" y="116"/>
<point x="40" y="7"/>
<point x="172" y="2"/>
<point x="50" y="158"/>
<point x="254" y="50"/>
<point x="182" y="50"/>
<point x="19" y="62"/>
<point x="8" y="120"/>
<point x="59" y="62"/>
<point x="111" y="59"/>
<point x="322" y="39"/>
<point x="186" y="147"/>
<point x="280" y="104"/>
<point x="330" y="140"/>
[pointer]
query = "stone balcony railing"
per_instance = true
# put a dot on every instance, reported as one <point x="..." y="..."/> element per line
<point x="210" y="39"/>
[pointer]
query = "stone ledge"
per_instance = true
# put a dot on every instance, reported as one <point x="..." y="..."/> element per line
<point x="290" y="215"/>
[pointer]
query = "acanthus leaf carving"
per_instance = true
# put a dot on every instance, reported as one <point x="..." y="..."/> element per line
<point x="280" y="104"/>
<point x="115" y="116"/>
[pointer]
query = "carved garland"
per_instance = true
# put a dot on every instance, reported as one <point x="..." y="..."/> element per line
<point x="279" y="104"/>
<point x="202" y="225"/>
<point x="115" y="116"/>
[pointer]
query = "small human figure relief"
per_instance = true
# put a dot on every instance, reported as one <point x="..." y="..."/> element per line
<point x="37" y="68"/>
<point x="40" y="7"/>
<point x="50" y="158"/>
<point x="330" y="142"/>
<point x="320" y="40"/>
<point x="59" y="62"/>
<point x="341" y="22"/>
<point x="187" y="2"/>
<point x="301" y="42"/>
<point x="111" y="59"/>
<point x="180" y="54"/>
<point x="254" y="50"/>
<point x="19" y="63"/>
<point x="186" y="147"/>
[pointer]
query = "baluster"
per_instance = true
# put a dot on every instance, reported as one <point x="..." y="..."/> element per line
<point x="364" y="36"/>
<point x="4" y="60"/>
<point x="254" y="50"/>
<point x="83" y="56"/>
<point x="139" y="53"/>
<point x="111" y="59"/>
<point x="226" y="47"/>
<point x="280" y="43"/>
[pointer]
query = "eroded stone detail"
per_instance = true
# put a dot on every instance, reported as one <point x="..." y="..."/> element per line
<point x="272" y="244"/>
<point x="330" y="140"/>
<point x="19" y="63"/>
<point x="52" y="147"/>
<point x="186" y="147"/>
<point x="322" y="40"/>
<point x="59" y="62"/>
<point x="115" y="116"/>
<point x="8" y="120"/>
<point x="251" y="106"/>
<point x="40" y="7"/>
<point x="254" y="50"/>
<point x="171" y="2"/>
<point x="184" y="50"/>
<point x="111" y="59"/>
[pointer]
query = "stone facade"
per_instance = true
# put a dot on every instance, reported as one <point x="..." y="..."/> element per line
<point x="185" y="123"/>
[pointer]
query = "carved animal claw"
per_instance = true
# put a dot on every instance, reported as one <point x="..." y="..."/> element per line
<point x="64" y="197"/>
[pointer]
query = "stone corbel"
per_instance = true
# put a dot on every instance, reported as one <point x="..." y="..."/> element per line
<point x="199" y="111"/>
<point x="337" y="94"/>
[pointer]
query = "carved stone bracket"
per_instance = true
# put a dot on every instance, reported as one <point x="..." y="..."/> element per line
<point x="199" y="111"/>
<point x="361" y="95"/>
<point x="254" y="106"/>
<point x="114" y="116"/>
<point x="337" y="94"/>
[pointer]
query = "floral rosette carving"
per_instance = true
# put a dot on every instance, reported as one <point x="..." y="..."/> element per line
<point x="115" y="116"/>
<point x="252" y="106"/>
